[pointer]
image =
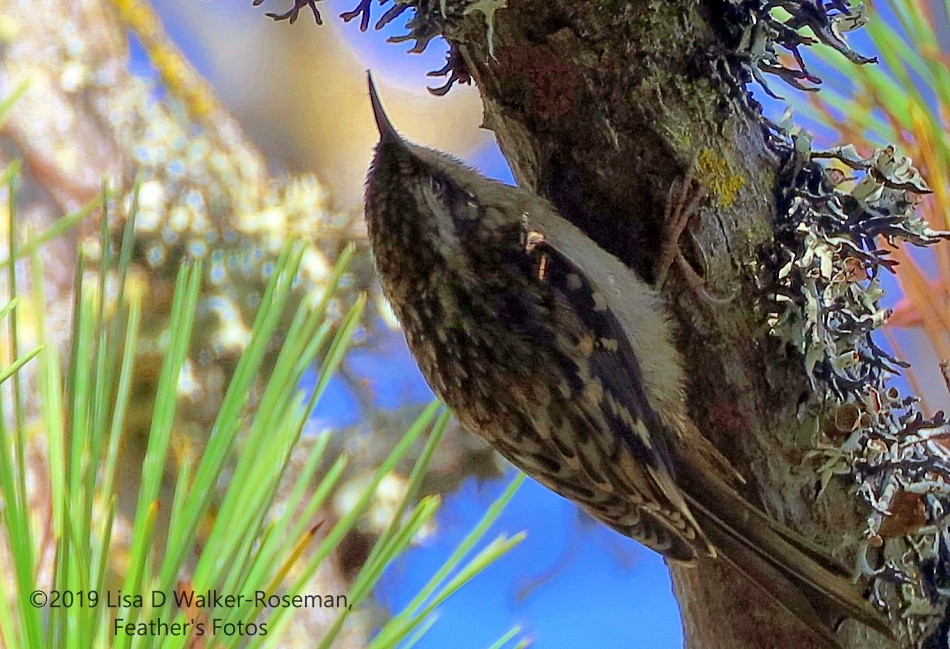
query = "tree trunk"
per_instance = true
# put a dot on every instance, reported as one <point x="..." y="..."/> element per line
<point x="600" y="106"/>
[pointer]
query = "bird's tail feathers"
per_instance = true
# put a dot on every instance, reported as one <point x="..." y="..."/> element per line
<point x="794" y="571"/>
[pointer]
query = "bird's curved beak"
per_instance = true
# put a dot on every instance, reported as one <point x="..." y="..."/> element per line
<point x="387" y="133"/>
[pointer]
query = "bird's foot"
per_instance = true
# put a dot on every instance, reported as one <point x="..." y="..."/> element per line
<point x="682" y="204"/>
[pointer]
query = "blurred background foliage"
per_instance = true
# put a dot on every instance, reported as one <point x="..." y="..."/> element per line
<point x="244" y="132"/>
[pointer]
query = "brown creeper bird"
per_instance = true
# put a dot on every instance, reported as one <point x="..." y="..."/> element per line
<point x="563" y="359"/>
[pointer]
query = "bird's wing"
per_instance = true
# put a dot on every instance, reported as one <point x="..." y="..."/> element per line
<point x="602" y="394"/>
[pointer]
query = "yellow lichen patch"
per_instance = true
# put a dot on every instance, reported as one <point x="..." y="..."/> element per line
<point x="716" y="176"/>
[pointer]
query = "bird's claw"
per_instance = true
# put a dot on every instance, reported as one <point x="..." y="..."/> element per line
<point x="682" y="204"/>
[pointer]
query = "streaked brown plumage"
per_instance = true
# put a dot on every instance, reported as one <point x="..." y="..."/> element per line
<point x="563" y="359"/>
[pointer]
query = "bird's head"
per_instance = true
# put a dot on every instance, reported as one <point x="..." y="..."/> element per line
<point x="430" y="203"/>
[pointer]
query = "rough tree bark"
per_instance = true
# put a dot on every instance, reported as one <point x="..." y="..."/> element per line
<point x="600" y="106"/>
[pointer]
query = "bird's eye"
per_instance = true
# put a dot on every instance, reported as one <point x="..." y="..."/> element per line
<point x="465" y="212"/>
<point x="465" y="208"/>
